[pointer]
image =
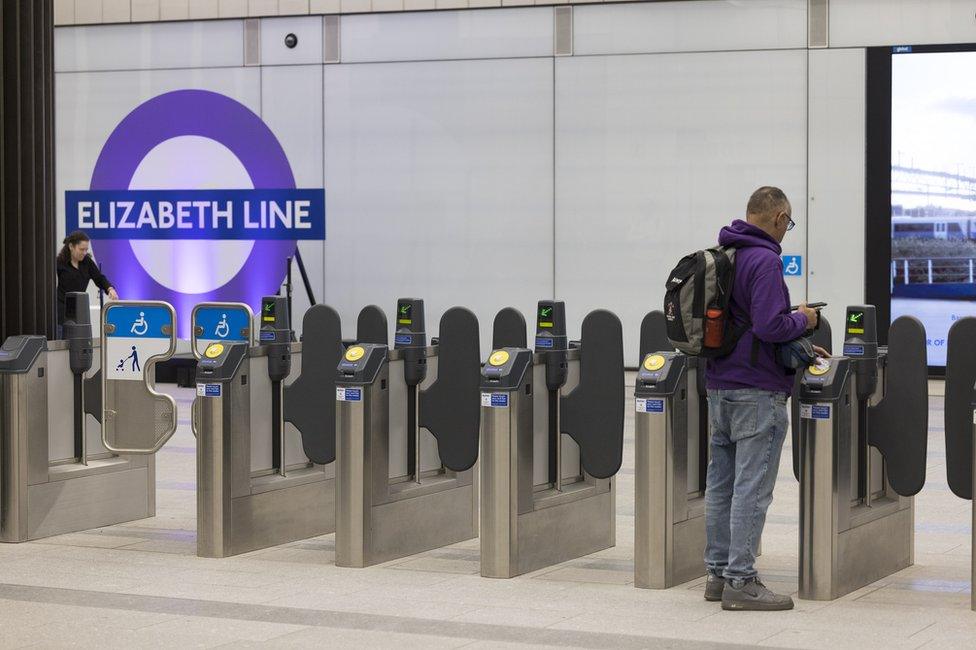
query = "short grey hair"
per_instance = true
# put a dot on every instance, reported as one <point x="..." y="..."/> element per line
<point x="767" y="201"/>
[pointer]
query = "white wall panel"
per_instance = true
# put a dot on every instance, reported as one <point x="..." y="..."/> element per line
<point x="655" y="153"/>
<point x="901" y="22"/>
<point x="438" y="182"/>
<point x="689" y="26"/>
<point x="291" y="100"/>
<point x="835" y="233"/>
<point x="143" y="46"/>
<point x="308" y="29"/>
<point x="447" y="35"/>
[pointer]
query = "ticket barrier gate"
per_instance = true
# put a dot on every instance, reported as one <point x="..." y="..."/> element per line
<point x="862" y="444"/>
<point x="551" y="441"/>
<point x="960" y="418"/>
<point x="671" y="427"/>
<point x="407" y="435"/>
<point x="823" y="337"/>
<point x="261" y="482"/>
<point x="61" y="470"/>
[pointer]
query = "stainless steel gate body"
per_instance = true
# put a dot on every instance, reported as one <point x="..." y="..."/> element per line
<point x="856" y="503"/>
<point x="669" y="515"/>
<point x="382" y="511"/>
<point x="244" y="504"/>
<point x="46" y="489"/>
<point x="960" y="420"/>
<point x="526" y="522"/>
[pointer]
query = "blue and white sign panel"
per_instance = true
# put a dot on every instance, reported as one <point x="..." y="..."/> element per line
<point x="277" y="214"/>
<point x="349" y="394"/>
<point x="495" y="400"/>
<point x="792" y="265"/>
<point x="815" y="411"/>
<point x="645" y="405"/>
<point x="221" y="323"/>
<point x="134" y="334"/>
<point x="208" y="390"/>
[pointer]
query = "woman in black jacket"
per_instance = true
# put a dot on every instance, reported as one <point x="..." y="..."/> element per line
<point x="76" y="267"/>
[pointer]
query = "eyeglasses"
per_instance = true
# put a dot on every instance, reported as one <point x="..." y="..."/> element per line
<point x="791" y="223"/>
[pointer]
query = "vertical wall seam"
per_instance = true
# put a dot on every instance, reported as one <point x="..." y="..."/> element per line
<point x="810" y="200"/>
<point x="554" y="196"/>
<point x="325" y="242"/>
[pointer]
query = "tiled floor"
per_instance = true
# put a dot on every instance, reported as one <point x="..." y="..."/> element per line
<point x="140" y="584"/>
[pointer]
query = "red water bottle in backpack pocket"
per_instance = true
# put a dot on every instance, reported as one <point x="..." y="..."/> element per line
<point x="714" y="327"/>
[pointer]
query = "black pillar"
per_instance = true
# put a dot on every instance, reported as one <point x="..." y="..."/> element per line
<point x="27" y="206"/>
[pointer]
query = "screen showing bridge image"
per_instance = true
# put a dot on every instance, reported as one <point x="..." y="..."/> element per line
<point x="933" y="190"/>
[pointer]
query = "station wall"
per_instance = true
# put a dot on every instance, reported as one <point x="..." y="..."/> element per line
<point x="467" y="164"/>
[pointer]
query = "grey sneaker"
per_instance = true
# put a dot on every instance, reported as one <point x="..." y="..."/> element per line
<point x="753" y="596"/>
<point x="714" y="585"/>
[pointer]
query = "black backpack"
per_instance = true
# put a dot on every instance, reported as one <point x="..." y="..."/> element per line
<point x="697" y="296"/>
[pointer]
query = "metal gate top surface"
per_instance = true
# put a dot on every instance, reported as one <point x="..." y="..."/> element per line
<point x="451" y="407"/>
<point x="220" y="322"/>
<point x="134" y="337"/>
<point x="959" y="420"/>
<point x="899" y="424"/>
<point x="593" y="412"/>
<point x="307" y="403"/>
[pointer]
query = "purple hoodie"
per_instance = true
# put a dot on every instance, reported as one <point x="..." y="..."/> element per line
<point x="760" y="294"/>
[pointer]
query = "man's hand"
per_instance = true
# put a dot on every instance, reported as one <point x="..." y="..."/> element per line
<point x="820" y="352"/>
<point x="112" y="295"/>
<point x="811" y="315"/>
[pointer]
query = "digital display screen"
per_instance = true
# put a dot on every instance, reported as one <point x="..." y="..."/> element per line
<point x="933" y="189"/>
<point x="855" y="322"/>
<point x="268" y="311"/>
<point x="405" y="313"/>
<point x="545" y="316"/>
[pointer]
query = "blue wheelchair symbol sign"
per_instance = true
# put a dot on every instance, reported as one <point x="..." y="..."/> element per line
<point x="222" y="323"/>
<point x="792" y="265"/>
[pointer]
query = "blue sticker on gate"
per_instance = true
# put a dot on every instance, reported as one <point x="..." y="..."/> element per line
<point x="544" y="342"/>
<point x="224" y="323"/>
<point x="495" y="400"/>
<point x="851" y="350"/>
<point x="349" y="394"/>
<point x="654" y="406"/>
<point x="208" y="390"/>
<point x="402" y="339"/>
<point x="820" y="412"/>
<point x="139" y="321"/>
<point x="267" y="335"/>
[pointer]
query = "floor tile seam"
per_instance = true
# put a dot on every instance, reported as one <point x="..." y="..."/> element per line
<point x="670" y="641"/>
<point x="774" y="634"/>
<point x="929" y="626"/>
<point x="301" y="628"/>
<point x="231" y="611"/>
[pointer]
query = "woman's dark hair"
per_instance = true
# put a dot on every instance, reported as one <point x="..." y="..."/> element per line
<point x="75" y="238"/>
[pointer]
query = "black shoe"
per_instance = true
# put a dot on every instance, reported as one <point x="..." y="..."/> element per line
<point x="753" y="596"/>
<point x="714" y="585"/>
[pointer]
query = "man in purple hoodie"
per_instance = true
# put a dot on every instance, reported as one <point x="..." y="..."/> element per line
<point x="747" y="393"/>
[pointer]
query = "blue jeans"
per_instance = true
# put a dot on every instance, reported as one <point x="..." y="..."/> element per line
<point x="748" y="430"/>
